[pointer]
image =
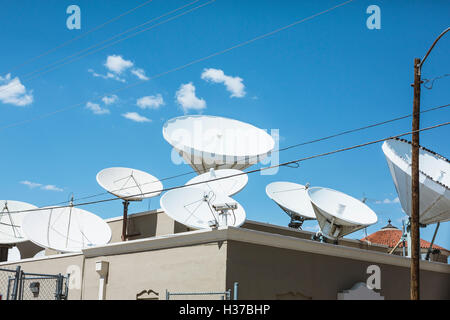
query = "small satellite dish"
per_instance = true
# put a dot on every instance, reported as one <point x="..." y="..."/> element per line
<point x="198" y="209"/>
<point x="434" y="179"/>
<point x="11" y="218"/>
<point x="215" y="142"/>
<point x="129" y="185"/>
<point x="293" y="199"/>
<point x="67" y="229"/>
<point x="13" y="254"/>
<point x="228" y="187"/>
<point x="339" y="214"/>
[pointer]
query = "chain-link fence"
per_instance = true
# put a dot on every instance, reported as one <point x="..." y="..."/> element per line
<point x="19" y="285"/>
<point x="7" y="282"/>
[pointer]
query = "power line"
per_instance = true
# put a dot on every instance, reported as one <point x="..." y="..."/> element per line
<point x="244" y="172"/>
<point x="80" y="36"/>
<point x="432" y="80"/>
<point x="279" y="150"/>
<point x="46" y="69"/>
<point x="114" y="37"/>
<point x="183" y="66"/>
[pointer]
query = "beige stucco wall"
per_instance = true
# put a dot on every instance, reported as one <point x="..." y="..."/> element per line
<point x="302" y="234"/>
<point x="144" y="225"/>
<point x="265" y="272"/>
<point x="184" y="269"/>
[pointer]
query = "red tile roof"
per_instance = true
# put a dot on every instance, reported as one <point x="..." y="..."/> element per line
<point x="391" y="236"/>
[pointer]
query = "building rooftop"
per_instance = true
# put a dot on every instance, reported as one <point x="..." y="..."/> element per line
<point x="390" y="235"/>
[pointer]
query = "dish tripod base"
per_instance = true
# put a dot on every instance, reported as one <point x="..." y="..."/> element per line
<point x="296" y="223"/>
<point x="318" y="236"/>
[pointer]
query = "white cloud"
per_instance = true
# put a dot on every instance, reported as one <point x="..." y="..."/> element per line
<point x="110" y="100"/>
<point x="187" y="99"/>
<point x="134" y="116"/>
<point x="117" y="64"/>
<point x="108" y="75"/>
<point x="30" y="184"/>
<point x="12" y="91"/>
<point x="388" y="201"/>
<point x="96" y="109"/>
<point x="233" y="84"/>
<point x="48" y="187"/>
<point x="140" y="73"/>
<point x="51" y="187"/>
<point x="150" y="102"/>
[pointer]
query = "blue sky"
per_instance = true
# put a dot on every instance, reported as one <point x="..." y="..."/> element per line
<point x="317" y="78"/>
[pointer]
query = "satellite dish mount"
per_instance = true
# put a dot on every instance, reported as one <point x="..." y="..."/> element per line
<point x="225" y="210"/>
<point x="126" y="203"/>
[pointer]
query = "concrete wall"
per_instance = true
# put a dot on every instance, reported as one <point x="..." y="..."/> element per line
<point x="182" y="269"/>
<point x="265" y="272"/>
<point x="144" y="225"/>
<point x="302" y="234"/>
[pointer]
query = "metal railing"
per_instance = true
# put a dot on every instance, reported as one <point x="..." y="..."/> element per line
<point x="218" y="295"/>
<point x="19" y="285"/>
<point x="223" y="295"/>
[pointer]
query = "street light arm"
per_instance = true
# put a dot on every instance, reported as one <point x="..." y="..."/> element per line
<point x="432" y="46"/>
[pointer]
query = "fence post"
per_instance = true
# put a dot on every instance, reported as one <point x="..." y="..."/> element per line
<point x="66" y="289"/>
<point x="16" y="283"/>
<point x="58" y="287"/>
<point x="236" y="291"/>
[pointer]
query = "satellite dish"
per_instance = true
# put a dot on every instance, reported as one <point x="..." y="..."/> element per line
<point x="198" y="209"/>
<point x="215" y="142"/>
<point x="293" y="199"/>
<point x="339" y="214"/>
<point x="66" y="229"/>
<point x="129" y="185"/>
<point x="228" y="187"/>
<point x="434" y="179"/>
<point x="11" y="223"/>
<point x="13" y="254"/>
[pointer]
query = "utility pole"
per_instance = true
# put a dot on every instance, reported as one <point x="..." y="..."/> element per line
<point x="414" y="224"/>
<point x="415" y="197"/>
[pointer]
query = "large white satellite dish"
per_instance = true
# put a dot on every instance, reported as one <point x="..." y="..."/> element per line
<point x="339" y="214"/>
<point x="67" y="229"/>
<point x="215" y="142"/>
<point x="198" y="209"/>
<point x="227" y="186"/>
<point x="13" y="254"/>
<point x="293" y="199"/>
<point x="130" y="185"/>
<point x="12" y="214"/>
<point x="434" y="179"/>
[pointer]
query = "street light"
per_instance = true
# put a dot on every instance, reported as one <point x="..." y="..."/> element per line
<point x="414" y="225"/>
